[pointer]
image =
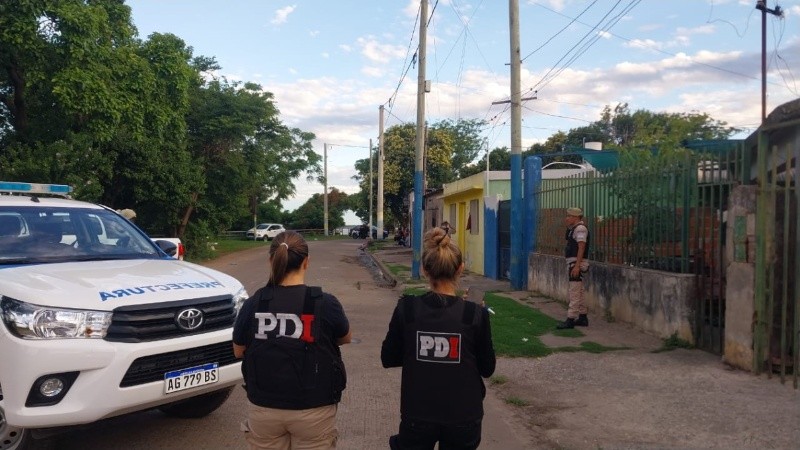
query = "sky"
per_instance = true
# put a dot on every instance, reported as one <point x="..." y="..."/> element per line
<point x="331" y="63"/>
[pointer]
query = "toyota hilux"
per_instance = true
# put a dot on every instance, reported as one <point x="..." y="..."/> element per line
<point x="98" y="320"/>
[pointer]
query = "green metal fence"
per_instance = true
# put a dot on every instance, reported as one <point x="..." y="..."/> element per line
<point x="776" y="345"/>
<point x="670" y="214"/>
<point x="660" y="213"/>
<point x="657" y="215"/>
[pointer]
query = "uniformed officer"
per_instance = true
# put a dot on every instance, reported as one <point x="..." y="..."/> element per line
<point x="577" y="247"/>
<point x="444" y="345"/>
<point x="289" y="336"/>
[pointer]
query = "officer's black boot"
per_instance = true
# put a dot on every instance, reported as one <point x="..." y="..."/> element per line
<point x="582" y="321"/>
<point x="567" y="324"/>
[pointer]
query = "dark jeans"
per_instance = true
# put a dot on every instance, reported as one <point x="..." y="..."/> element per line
<point x="416" y="435"/>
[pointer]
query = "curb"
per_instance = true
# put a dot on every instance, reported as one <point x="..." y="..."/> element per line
<point x="386" y="274"/>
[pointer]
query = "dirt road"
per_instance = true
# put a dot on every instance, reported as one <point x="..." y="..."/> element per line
<point x="623" y="399"/>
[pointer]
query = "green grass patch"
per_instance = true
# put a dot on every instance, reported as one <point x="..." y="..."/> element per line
<point x="569" y="332"/>
<point x="398" y="268"/>
<point x="590" y="347"/>
<point x="225" y="246"/>
<point x="516" y="401"/>
<point x="379" y="244"/>
<point x="498" y="379"/>
<point x="673" y="342"/>
<point x="516" y="328"/>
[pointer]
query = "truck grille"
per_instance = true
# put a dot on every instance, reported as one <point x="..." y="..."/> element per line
<point x="142" y="323"/>
<point x="152" y="368"/>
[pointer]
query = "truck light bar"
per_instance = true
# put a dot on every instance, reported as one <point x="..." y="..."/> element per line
<point x="35" y="188"/>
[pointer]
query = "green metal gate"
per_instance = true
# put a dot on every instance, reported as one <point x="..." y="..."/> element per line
<point x="776" y="339"/>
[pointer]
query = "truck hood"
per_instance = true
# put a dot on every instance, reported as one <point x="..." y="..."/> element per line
<point x="105" y="285"/>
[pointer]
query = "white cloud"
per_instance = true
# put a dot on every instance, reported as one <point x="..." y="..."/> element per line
<point x="282" y="15"/>
<point x="313" y="33"/>
<point x="557" y="5"/>
<point x="645" y="44"/>
<point x="702" y="29"/>
<point x="345" y="48"/>
<point x="378" y="52"/>
<point x="375" y="72"/>
<point x="412" y="8"/>
<point x="326" y="55"/>
<point x="650" y="27"/>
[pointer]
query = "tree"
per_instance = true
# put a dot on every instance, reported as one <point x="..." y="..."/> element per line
<point x="466" y="142"/>
<point x="310" y="215"/>
<point x="238" y="141"/>
<point x="450" y="146"/>
<point x="138" y="124"/>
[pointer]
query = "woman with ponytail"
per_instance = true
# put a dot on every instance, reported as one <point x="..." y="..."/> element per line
<point x="444" y="345"/>
<point x="288" y="335"/>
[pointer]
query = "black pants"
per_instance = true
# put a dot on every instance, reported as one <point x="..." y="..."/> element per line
<point x="416" y="435"/>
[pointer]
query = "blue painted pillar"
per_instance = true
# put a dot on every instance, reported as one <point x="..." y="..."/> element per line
<point x="490" y="237"/>
<point x="518" y="258"/>
<point x="416" y="233"/>
<point x="533" y="181"/>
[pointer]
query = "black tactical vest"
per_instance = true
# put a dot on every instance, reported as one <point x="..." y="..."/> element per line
<point x="571" y="250"/>
<point x="290" y="363"/>
<point x="440" y="381"/>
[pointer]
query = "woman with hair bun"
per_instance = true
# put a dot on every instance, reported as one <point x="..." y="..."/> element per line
<point x="444" y="345"/>
<point x="289" y="336"/>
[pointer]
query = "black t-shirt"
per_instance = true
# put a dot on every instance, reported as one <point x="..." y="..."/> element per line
<point x="334" y="322"/>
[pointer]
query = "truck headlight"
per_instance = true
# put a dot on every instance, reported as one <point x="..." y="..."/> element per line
<point x="238" y="299"/>
<point x="41" y="322"/>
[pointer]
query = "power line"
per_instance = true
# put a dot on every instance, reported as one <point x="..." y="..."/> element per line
<point x="653" y="47"/>
<point x="559" y="31"/>
<point x="586" y="44"/>
<point x="390" y="102"/>
<point x="556" y="115"/>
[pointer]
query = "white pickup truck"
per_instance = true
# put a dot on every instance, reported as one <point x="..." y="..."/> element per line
<point x="96" y="320"/>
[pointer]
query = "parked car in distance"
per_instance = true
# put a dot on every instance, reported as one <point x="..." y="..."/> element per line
<point x="265" y="231"/>
<point x="361" y="232"/>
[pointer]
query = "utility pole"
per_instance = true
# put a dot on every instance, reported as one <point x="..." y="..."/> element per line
<point x="416" y="233"/>
<point x="370" y="188"/>
<point x="325" y="186"/>
<point x="380" y="173"/>
<point x="762" y="6"/>
<point x="518" y="258"/>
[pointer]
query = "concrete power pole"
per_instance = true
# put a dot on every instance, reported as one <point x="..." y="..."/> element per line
<point x="416" y="233"/>
<point x="380" y="173"/>
<point x="517" y="255"/>
<point x="762" y="6"/>
<point x="325" y="184"/>
<point x="370" y="189"/>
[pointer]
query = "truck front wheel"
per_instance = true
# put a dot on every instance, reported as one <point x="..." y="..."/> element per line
<point x="13" y="438"/>
<point x="195" y="407"/>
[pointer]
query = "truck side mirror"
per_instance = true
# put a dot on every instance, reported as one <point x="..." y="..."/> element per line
<point x="167" y="247"/>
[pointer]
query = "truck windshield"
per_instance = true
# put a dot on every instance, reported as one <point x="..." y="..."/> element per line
<point x="32" y="234"/>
